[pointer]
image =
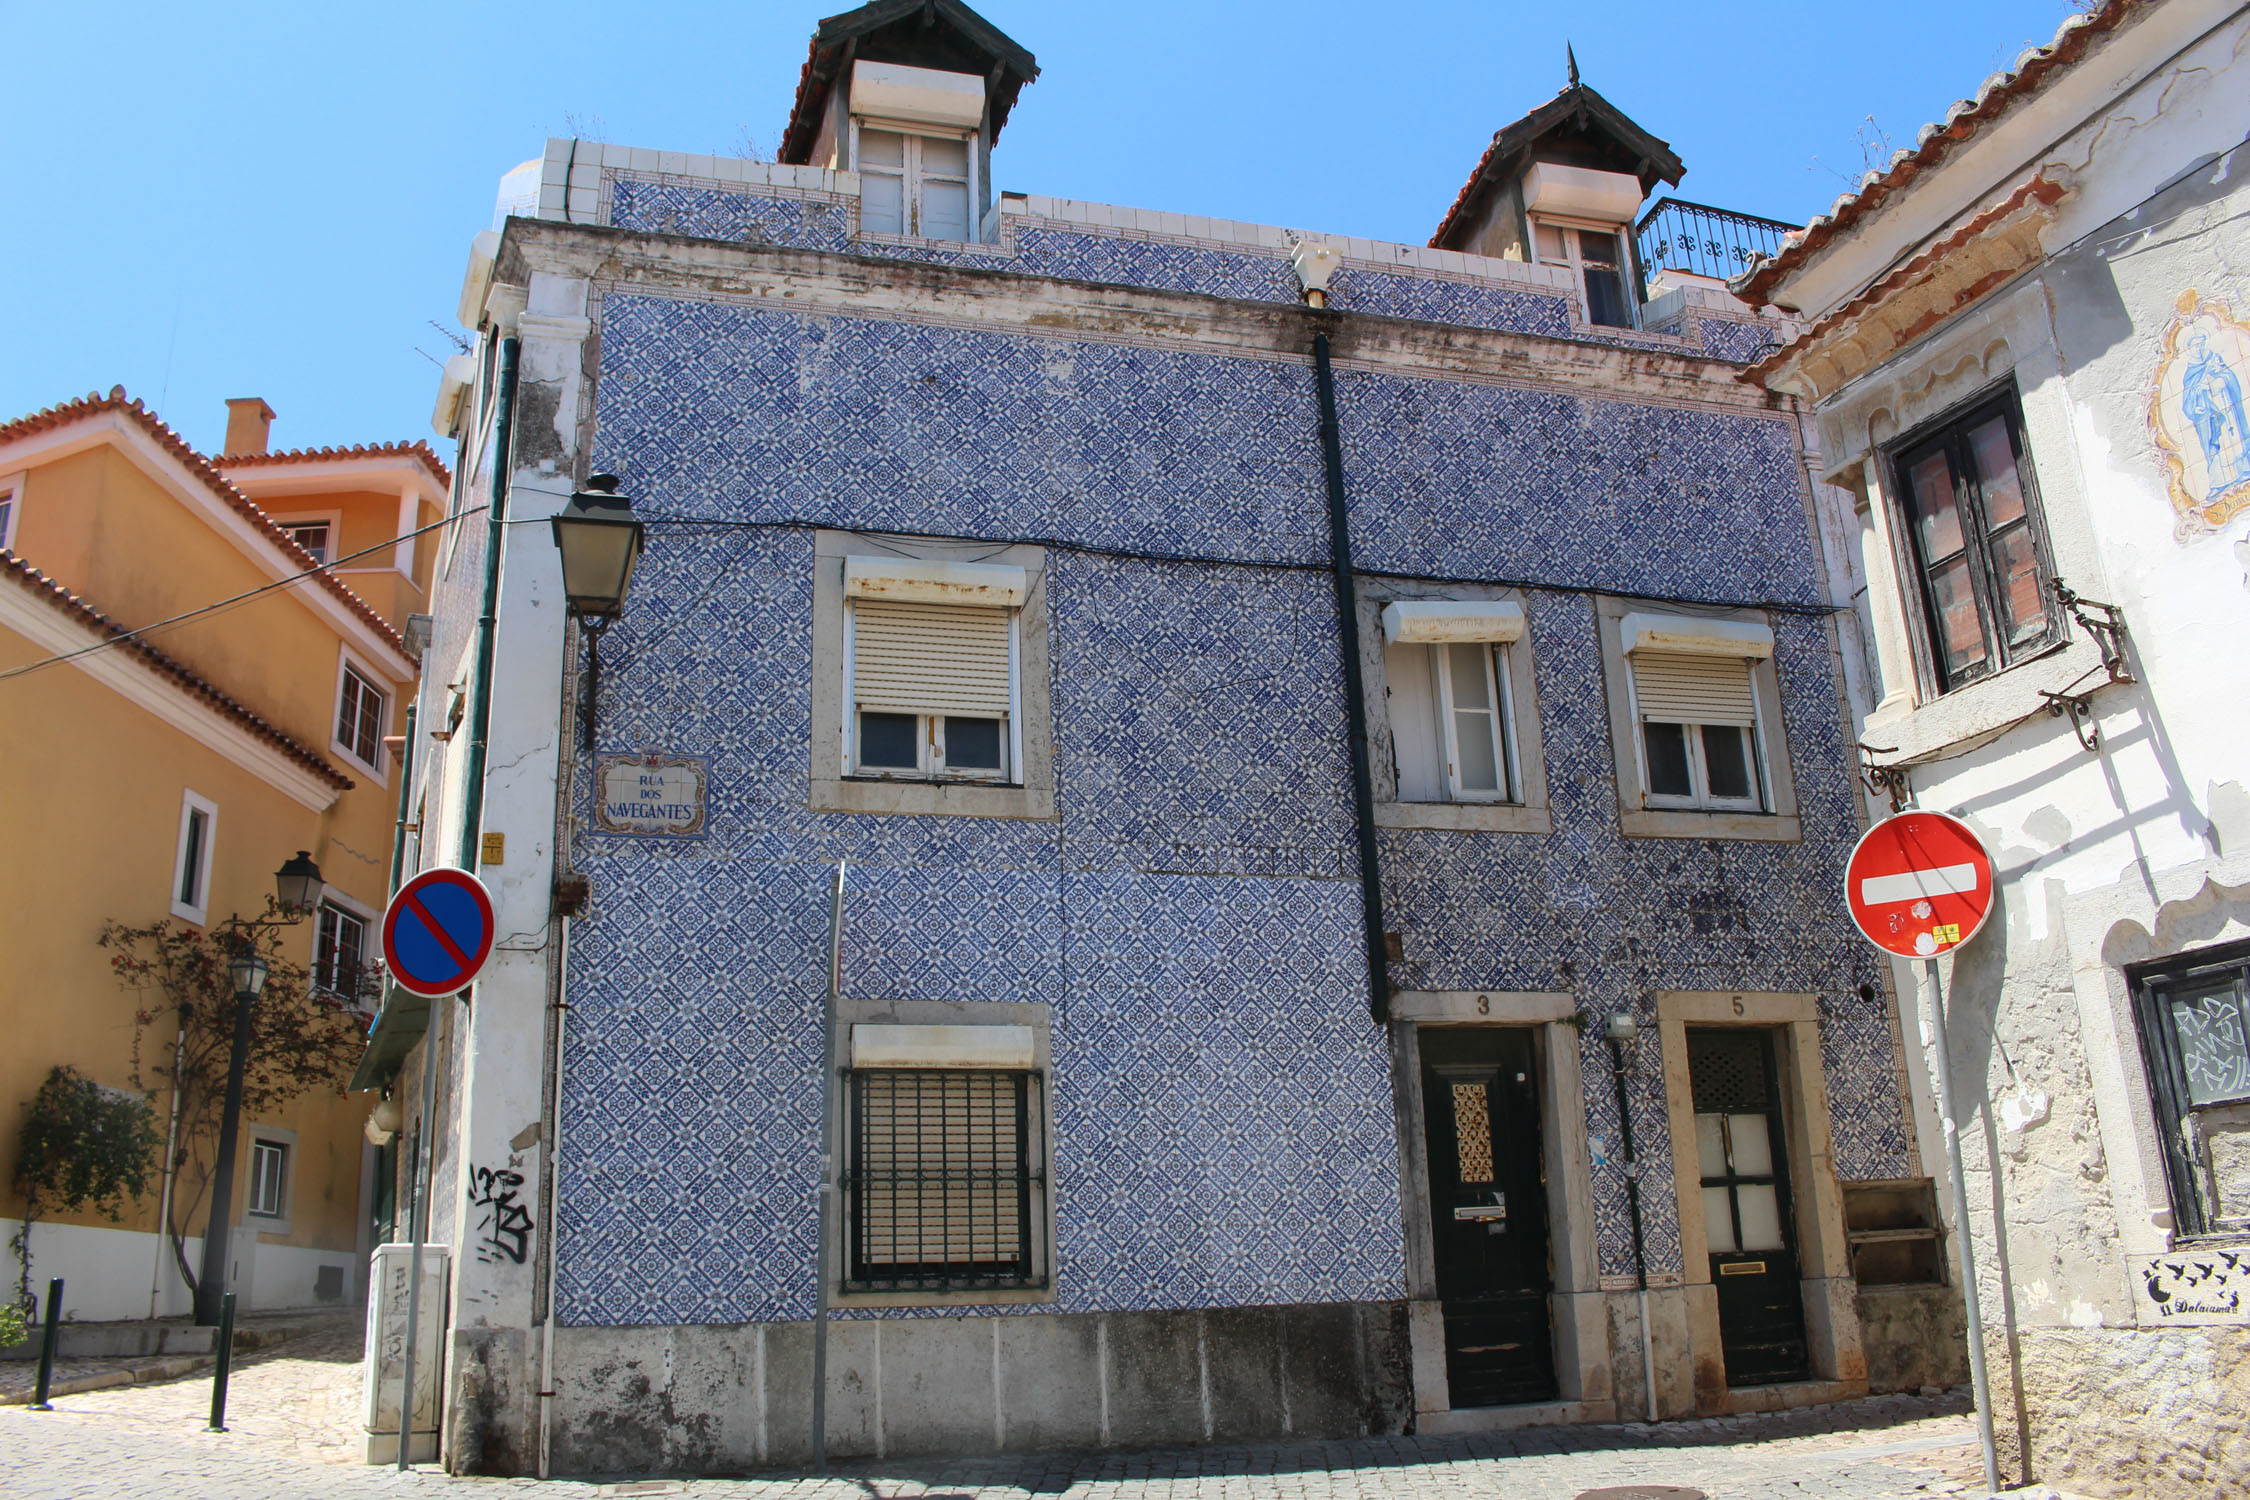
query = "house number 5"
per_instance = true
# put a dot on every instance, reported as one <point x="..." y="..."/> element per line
<point x="1738" y="1010"/>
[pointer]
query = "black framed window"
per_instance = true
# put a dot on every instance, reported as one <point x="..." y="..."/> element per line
<point x="1975" y="544"/>
<point x="2194" y="1020"/>
<point x="944" y="1187"/>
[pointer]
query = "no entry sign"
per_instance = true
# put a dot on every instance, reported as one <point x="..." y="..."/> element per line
<point x="1919" y="884"/>
<point x="438" y="932"/>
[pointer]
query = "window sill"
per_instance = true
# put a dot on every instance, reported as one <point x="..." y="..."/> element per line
<point x="976" y="1297"/>
<point x="1917" y="728"/>
<point x="1465" y="817"/>
<point x="379" y="775"/>
<point x="1671" y="823"/>
<point x="966" y="799"/>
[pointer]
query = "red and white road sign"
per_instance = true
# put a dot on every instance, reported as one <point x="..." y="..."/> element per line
<point x="1919" y="884"/>
<point x="438" y="932"/>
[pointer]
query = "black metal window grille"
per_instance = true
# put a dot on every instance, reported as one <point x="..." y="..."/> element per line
<point x="2194" y="1021"/>
<point x="1704" y="241"/>
<point x="339" y="948"/>
<point x="942" y="1188"/>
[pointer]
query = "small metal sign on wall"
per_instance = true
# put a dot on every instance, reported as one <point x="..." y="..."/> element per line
<point x="652" y="795"/>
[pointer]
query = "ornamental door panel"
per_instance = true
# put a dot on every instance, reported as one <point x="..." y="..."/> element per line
<point x="1747" y="1221"/>
<point x="1488" y="1212"/>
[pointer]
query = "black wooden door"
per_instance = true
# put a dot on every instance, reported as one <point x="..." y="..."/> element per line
<point x="1488" y="1212"/>
<point x="1747" y="1220"/>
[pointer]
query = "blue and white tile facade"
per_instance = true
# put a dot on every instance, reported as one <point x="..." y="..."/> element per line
<point x="1224" y="1126"/>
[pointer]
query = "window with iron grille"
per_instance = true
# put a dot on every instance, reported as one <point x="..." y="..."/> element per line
<point x="942" y="1187"/>
<point x="339" y="948"/>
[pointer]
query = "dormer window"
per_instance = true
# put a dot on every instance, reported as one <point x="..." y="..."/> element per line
<point x="1596" y="260"/>
<point x="913" y="184"/>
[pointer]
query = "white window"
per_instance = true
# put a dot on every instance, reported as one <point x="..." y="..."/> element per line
<point x="269" y="1180"/>
<point x="1695" y="703"/>
<point x="360" y="710"/>
<point x="312" y="536"/>
<point x="1596" y="258"/>
<point x="339" y="951"/>
<point x="11" y="489"/>
<point x="931" y="670"/>
<point x="1445" y="668"/>
<point x="913" y="184"/>
<point x="191" y="859"/>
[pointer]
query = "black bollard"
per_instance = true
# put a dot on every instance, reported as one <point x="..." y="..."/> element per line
<point x="49" y="1336"/>
<point x="226" y="1363"/>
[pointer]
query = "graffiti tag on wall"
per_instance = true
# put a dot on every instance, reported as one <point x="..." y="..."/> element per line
<point x="2211" y="1286"/>
<point x="503" y="1223"/>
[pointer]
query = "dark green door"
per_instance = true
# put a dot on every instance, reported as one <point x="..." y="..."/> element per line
<point x="1746" y="1213"/>
<point x="1488" y="1211"/>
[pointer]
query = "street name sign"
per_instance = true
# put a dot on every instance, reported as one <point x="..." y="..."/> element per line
<point x="437" y="933"/>
<point x="1919" y="884"/>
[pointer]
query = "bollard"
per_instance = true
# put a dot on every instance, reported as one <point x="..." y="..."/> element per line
<point x="225" y="1364"/>
<point x="48" y="1336"/>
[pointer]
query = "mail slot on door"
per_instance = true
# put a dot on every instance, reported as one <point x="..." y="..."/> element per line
<point x="1483" y="1213"/>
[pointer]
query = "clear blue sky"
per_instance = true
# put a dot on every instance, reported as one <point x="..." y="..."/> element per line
<point x="275" y="200"/>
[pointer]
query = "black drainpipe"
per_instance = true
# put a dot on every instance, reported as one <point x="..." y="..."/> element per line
<point x="1355" y="688"/>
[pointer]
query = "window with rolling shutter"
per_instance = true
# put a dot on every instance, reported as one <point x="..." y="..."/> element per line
<point x="932" y="689"/>
<point x="1698" y="717"/>
<point x="941" y="1188"/>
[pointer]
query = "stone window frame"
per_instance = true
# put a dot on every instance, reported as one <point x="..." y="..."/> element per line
<point x="1531" y="814"/>
<point x="1033" y="1014"/>
<point x="194" y="805"/>
<point x="285" y="1141"/>
<point x="831" y="788"/>
<point x="2186" y="1157"/>
<point x="1781" y="823"/>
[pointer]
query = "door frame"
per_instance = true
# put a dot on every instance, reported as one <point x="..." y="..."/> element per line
<point x="1581" y="1332"/>
<point x="1832" y="1335"/>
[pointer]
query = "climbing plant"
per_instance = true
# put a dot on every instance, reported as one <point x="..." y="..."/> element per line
<point x="83" y="1147"/>
<point x="302" y="1038"/>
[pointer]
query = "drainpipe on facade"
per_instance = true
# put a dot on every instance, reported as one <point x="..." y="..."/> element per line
<point x="1633" y="1202"/>
<point x="479" y="722"/>
<point x="1355" y="687"/>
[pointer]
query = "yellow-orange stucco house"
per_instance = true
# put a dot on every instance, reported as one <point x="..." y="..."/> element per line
<point x="170" y="771"/>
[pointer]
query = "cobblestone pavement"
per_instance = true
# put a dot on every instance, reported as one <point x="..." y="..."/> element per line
<point x="292" y="1411"/>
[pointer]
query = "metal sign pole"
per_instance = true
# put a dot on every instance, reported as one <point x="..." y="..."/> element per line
<point x="1978" y="1381"/>
<point x="417" y="1217"/>
<point x="826" y="1196"/>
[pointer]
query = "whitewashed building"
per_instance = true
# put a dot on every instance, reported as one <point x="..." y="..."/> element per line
<point x="2028" y="358"/>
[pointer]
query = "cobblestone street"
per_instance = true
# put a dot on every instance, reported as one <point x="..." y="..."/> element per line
<point x="291" y="1415"/>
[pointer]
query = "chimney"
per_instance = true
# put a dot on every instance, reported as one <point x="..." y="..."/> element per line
<point x="248" y="421"/>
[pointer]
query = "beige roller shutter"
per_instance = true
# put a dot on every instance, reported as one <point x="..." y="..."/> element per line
<point x="929" y="658"/>
<point x="939" y="1168"/>
<point x="1677" y="688"/>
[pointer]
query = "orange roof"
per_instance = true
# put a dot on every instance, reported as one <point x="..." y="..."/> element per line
<point x="1937" y="142"/>
<point x="41" y="586"/>
<point x="89" y="405"/>
<point x="416" y="450"/>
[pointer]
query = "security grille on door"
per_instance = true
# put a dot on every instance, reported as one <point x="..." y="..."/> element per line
<point x="1729" y="1077"/>
<point x="941" y="1190"/>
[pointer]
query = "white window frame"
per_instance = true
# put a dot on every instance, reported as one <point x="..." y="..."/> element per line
<point x="1503" y="716"/>
<point x="333" y="520"/>
<point x="929" y="736"/>
<point x="1640" y="815"/>
<point x="11" y="508"/>
<point x="346" y="661"/>
<point x="359" y="912"/>
<point x="193" y="805"/>
<point x="1574" y="257"/>
<point x="910" y="175"/>
<point x="275" y="1221"/>
<point x="1700" y="798"/>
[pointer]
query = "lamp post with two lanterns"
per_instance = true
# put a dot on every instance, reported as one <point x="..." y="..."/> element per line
<point x="297" y="886"/>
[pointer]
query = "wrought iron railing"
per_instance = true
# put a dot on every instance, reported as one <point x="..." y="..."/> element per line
<point x="1703" y="241"/>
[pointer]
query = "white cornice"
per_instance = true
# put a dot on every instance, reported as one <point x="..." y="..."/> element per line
<point x="135" y="441"/>
<point x="140" y="684"/>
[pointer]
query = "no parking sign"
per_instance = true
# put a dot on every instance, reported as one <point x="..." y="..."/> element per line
<point x="438" y="932"/>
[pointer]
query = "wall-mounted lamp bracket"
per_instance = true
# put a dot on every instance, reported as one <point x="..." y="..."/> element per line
<point x="2107" y="632"/>
<point x="1885" y="781"/>
<point x="2079" y="709"/>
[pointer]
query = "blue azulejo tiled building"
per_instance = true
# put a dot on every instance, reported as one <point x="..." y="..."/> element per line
<point x="1312" y="730"/>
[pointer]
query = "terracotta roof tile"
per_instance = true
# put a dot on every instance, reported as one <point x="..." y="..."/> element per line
<point x="2032" y="72"/>
<point x="45" y="588"/>
<point x="413" y="450"/>
<point x="64" y="413"/>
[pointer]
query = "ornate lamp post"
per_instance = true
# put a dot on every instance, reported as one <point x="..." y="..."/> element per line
<point x="297" y="886"/>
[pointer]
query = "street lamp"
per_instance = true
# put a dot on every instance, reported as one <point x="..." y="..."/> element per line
<point x="600" y="540"/>
<point x="247" y="968"/>
<point x="298" y="884"/>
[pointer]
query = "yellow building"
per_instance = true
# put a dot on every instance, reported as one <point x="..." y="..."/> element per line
<point x="168" y="772"/>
